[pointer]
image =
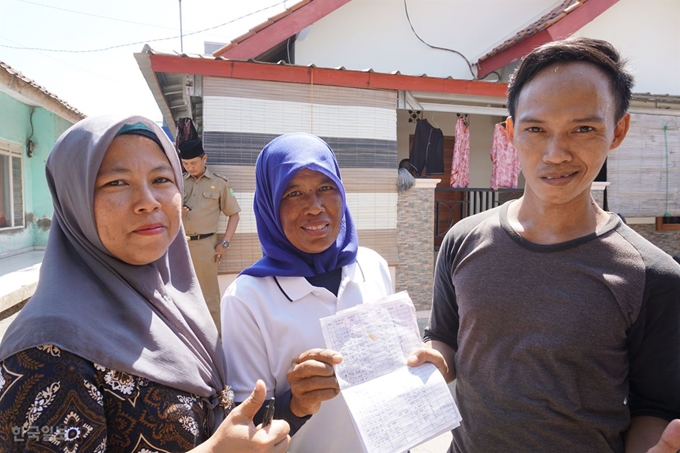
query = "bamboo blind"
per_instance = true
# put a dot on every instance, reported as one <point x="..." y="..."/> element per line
<point x="645" y="170"/>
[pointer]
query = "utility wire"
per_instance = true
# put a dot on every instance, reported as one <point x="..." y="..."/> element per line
<point x="95" y="15"/>
<point x="140" y="42"/>
<point x="45" y="55"/>
<point x="469" y="65"/>
<point x="665" y="139"/>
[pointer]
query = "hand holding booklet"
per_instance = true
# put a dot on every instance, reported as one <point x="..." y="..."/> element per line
<point x="394" y="406"/>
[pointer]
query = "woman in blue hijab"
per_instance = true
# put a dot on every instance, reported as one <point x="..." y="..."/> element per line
<point x="311" y="268"/>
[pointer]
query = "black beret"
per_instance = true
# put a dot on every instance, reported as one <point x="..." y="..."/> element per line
<point x="190" y="149"/>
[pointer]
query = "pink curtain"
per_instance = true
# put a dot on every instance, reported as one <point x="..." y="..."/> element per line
<point x="460" y="164"/>
<point x="506" y="169"/>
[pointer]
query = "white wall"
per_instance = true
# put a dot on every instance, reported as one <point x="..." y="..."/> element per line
<point x="375" y="34"/>
<point x="647" y="32"/>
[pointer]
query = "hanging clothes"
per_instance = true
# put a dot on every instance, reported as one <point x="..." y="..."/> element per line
<point x="186" y="130"/>
<point x="505" y="172"/>
<point x="460" y="164"/>
<point x="427" y="151"/>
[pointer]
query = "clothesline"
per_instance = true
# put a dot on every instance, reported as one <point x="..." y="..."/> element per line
<point x="427" y="153"/>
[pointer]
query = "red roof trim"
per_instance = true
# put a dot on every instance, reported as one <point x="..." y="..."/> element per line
<point x="559" y="28"/>
<point x="323" y="76"/>
<point x="263" y="37"/>
<point x="580" y="17"/>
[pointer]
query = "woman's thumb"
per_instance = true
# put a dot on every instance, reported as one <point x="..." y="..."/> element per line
<point x="252" y="404"/>
<point x="670" y="439"/>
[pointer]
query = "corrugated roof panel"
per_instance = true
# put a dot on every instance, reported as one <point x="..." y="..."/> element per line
<point x="19" y="75"/>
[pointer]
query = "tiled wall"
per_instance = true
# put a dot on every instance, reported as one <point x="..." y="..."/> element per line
<point x="242" y="116"/>
<point x="415" y="225"/>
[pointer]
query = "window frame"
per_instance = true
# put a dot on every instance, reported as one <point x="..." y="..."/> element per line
<point x="661" y="226"/>
<point x="14" y="150"/>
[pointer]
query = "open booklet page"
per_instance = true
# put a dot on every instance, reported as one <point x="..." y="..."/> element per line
<point x="394" y="406"/>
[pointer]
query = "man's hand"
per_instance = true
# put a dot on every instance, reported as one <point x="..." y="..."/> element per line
<point x="437" y="353"/>
<point x="237" y="433"/>
<point x="312" y="380"/>
<point x="220" y="251"/>
<point x="428" y="355"/>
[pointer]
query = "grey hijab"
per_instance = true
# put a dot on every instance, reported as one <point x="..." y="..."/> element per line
<point x="150" y="320"/>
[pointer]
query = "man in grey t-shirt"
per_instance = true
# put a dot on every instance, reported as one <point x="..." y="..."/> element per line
<point x="560" y="323"/>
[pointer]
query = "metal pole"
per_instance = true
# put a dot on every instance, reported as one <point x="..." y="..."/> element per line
<point x="181" y="40"/>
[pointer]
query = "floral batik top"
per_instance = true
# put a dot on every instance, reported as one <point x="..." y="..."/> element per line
<point x="55" y="401"/>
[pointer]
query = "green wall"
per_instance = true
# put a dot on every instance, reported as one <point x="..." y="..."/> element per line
<point x="15" y="127"/>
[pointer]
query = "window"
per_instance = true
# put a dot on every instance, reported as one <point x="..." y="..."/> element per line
<point x="668" y="223"/>
<point x="11" y="186"/>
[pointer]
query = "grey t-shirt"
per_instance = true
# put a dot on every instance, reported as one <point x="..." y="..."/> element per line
<point x="556" y="345"/>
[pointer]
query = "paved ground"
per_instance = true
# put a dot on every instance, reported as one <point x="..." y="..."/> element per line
<point x="437" y="445"/>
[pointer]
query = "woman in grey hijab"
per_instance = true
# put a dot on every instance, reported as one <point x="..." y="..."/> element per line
<point x="116" y="351"/>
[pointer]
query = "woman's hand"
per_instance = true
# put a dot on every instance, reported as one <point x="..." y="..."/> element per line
<point x="312" y="380"/>
<point x="238" y="434"/>
<point x="670" y="439"/>
<point x="645" y="431"/>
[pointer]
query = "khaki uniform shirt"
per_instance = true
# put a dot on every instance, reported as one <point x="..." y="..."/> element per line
<point x="207" y="196"/>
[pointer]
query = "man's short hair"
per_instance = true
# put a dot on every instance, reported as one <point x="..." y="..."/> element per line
<point x="594" y="51"/>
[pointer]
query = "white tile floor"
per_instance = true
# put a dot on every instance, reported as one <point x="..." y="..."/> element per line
<point x="19" y="270"/>
<point x="16" y="262"/>
<point x="18" y="278"/>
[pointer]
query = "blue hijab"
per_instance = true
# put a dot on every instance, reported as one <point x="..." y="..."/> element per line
<point x="276" y="165"/>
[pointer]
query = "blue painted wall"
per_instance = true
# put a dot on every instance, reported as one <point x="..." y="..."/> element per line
<point x="15" y="126"/>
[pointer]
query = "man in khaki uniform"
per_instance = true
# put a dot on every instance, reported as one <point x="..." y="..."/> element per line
<point x="206" y="194"/>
